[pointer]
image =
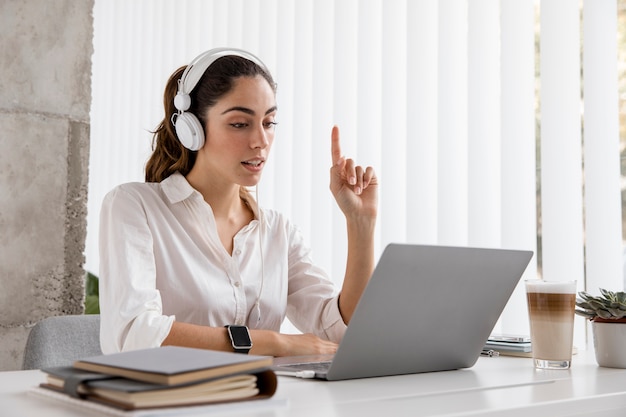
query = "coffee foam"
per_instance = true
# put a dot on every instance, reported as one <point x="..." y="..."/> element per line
<point x="551" y="287"/>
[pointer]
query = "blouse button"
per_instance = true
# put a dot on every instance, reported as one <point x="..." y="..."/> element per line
<point x="237" y="283"/>
<point x="238" y="252"/>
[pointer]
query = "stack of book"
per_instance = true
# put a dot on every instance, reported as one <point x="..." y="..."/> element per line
<point x="164" y="377"/>
<point x="510" y="345"/>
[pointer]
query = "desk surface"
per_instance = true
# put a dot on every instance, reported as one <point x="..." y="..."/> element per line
<point x="490" y="388"/>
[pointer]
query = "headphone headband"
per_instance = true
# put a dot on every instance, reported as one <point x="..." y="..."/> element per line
<point x="188" y="127"/>
<point x="196" y="68"/>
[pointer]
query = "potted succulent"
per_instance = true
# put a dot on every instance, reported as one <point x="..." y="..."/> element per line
<point x="607" y="314"/>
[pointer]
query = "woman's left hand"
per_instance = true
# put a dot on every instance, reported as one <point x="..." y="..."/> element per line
<point x="355" y="188"/>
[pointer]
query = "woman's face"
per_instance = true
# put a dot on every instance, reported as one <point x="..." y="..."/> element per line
<point x="240" y="132"/>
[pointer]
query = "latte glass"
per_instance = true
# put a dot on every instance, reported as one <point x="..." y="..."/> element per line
<point x="551" y="306"/>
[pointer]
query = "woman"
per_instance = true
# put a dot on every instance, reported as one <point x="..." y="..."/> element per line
<point x="188" y="258"/>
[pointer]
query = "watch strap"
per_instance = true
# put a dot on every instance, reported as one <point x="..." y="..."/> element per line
<point x="237" y="350"/>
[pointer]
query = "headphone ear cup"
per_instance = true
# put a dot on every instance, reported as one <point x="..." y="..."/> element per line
<point x="189" y="131"/>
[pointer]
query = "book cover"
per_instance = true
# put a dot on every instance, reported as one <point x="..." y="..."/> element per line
<point x="130" y="394"/>
<point x="172" y="365"/>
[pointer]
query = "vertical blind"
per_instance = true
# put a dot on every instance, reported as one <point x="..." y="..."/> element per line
<point x="441" y="97"/>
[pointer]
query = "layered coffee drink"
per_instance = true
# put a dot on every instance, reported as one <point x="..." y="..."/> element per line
<point x="551" y="306"/>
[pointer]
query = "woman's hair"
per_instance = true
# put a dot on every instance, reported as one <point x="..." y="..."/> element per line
<point x="169" y="155"/>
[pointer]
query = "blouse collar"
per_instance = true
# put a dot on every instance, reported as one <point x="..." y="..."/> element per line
<point x="177" y="188"/>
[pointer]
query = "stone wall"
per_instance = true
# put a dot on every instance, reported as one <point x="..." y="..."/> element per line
<point x="45" y="96"/>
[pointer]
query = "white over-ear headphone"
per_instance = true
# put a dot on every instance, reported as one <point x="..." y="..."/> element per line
<point x="188" y="128"/>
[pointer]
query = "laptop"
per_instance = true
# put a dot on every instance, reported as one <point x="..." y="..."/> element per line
<point x="425" y="309"/>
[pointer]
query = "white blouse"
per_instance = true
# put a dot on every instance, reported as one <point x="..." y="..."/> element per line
<point x="161" y="260"/>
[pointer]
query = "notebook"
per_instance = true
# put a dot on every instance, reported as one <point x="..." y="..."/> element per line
<point x="426" y="308"/>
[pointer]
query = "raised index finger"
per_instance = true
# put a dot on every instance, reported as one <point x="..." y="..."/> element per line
<point x="335" y="148"/>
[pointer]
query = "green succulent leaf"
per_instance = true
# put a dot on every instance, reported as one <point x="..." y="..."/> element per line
<point x="609" y="305"/>
<point x="597" y="304"/>
<point x="607" y="294"/>
<point x="604" y="314"/>
<point x="586" y="314"/>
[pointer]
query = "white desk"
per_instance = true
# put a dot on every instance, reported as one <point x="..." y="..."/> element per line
<point x="493" y="387"/>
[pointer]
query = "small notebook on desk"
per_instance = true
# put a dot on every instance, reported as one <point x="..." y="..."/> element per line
<point x="515" y="344"/>
<point x="165" y="377"/>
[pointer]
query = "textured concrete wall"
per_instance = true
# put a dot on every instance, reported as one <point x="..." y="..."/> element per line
<point x="45" y="96"/>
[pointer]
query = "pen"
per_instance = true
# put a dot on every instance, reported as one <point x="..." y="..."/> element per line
<point x="489" y="353"/>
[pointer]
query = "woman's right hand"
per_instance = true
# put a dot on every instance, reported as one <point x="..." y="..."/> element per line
<point x="279" y="344"/>
<point x="306" y="344"/>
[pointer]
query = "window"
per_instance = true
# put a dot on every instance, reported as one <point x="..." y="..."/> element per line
<point x="447" y="99"/>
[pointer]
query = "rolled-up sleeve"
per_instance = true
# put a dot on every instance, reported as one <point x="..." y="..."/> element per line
<point x="130" y="304"/>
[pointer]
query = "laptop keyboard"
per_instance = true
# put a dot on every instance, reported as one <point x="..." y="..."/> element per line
<point x="309" y="366"/>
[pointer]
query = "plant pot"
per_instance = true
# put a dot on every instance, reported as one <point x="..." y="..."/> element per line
<point x="609" y="340"/>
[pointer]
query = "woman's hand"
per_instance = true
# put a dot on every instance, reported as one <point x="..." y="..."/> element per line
<point x="355" y="188"/>
<point x="356" y="191"/>
<point x="267" y="342"/>
<point x="305" y="344"/>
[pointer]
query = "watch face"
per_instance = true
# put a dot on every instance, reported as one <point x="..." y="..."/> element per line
<point x="240" y="337"/>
